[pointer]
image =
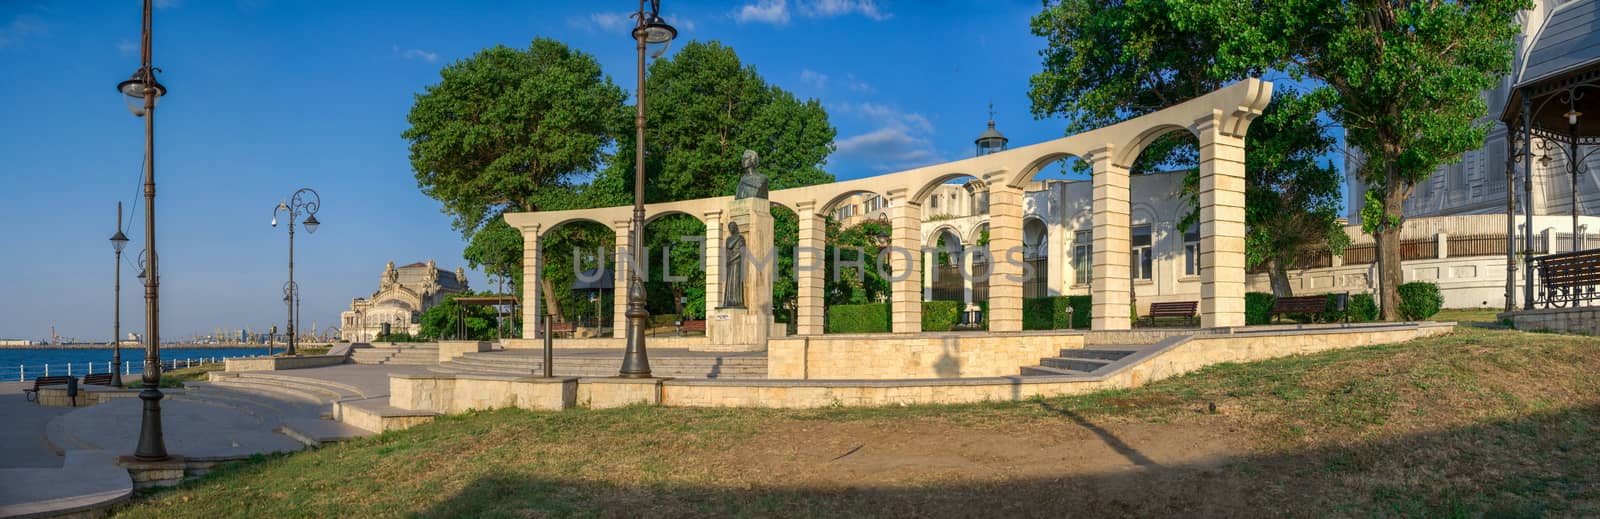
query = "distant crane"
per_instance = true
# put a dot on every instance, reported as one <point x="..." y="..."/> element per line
<point x="55" y="338"/>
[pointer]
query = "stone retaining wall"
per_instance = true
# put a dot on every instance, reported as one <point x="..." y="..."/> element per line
<point x="909" y="356"/>
<point x="1584" y="320"/>
<point x="282" y="363"/>
<point x="655" y="341"/>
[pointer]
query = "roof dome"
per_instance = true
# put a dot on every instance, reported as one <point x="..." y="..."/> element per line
<point x="991" y="140"/>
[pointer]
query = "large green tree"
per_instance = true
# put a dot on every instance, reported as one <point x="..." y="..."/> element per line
<point x="704" y="107"/>
<point x="511" y="130"/>
<point x="1106" y="62"/>
<point x="1404" y="78"/>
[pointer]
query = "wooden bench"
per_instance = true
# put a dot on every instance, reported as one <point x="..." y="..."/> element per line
<point x="97" y="379"/>
<point x="1188" y="310"/>
<point x="33" y="394"/>
<point x="567" y="327"/>
<point x="692" y="325"/>
<point x="1569" y="277"/>
<point x="1311" y="305"/>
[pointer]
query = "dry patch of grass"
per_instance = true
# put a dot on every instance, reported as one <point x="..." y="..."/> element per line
<point x="1477" y="422"/>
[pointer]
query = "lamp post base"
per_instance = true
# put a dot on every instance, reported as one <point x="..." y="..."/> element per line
<point x="152" y="446"/>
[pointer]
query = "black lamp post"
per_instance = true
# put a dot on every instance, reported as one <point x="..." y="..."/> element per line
<point x="307" y="201"/>
<point x="649" y="29"/>
<point x="118" y="241"/>
<point x="141" y="92"/>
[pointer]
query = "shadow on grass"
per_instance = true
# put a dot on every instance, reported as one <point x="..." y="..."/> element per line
<point x="1542" y="465"/>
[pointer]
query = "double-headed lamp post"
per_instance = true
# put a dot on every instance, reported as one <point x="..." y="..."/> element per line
<point x="305" y="201"/>
<point x="141" y="93"/>
<point x="649" y="29"/>
<point x="118" y="241"/>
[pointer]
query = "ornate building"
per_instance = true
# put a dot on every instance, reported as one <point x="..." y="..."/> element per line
<point x="403" y="294"/>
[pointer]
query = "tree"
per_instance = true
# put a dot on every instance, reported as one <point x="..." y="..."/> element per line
<point x="442" y="321"/>
<point x="1405" y="78"/>
<point x="704" y="108"/>
<point x="863" y="242"/>
<point x="1106" y="62"/>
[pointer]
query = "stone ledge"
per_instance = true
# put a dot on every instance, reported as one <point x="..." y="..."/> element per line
<point x="282" y="363"/>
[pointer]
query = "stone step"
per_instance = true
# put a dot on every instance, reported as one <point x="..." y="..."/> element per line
<point x="259" y="402"/>
<point x="376" y="415"/>
<point x="339" y="388"/>
<point x="315" y="432"/>
<point x="1101" y="352"/>
<point x="1074" y="364"/>
<point x="268" y="416"/>
<point x="277" y="391"/>
<point x="1048" y="371"/>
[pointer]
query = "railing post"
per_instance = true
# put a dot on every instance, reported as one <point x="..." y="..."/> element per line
<point x="549" y="346"/>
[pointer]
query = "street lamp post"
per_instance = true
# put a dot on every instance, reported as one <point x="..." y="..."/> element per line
<point x="118" y="241"/>
<point x="141" y="93"/>
<point x="305" y="200"/>
<point x="649" y="29"/>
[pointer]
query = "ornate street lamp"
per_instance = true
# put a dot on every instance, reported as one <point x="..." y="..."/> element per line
<point x="649" y="29"/>
<point x="118" y="241"/>
<point x="141" y="93"/>
<point x="305" y="201"/>
<point x="1575" y="164"/>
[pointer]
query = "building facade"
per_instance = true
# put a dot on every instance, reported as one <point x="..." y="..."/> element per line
<point x="403" y="294"/>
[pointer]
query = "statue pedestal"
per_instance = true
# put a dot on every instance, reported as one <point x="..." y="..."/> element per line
<point x="747" y="328"/>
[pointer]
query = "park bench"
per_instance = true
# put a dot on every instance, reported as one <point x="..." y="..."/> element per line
<point x="1311" y="305"/>
<point x="33" y="394"/>
<point x="692" y="325"/>
<point x="1188" y="310"/>
<point x="1568" y="277"/>
<point x="567" y="327"/>
<point x="97" y="379"/>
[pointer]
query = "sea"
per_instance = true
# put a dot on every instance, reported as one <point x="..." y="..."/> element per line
<point x="29" y="363"/>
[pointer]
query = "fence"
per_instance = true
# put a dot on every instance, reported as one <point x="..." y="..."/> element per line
<point x="25" y="372"/>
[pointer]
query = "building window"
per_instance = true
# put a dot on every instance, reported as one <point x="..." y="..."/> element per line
<point x="1191" y="250"/>
<point x="935" y="202"/>
<point x="1141" y="252"/>
<point x="1082" y="256"/>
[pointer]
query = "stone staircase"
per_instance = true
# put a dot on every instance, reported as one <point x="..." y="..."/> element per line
<point x="1086" y="361"/>
<point x="417" y="354"/>
<point x="531" y="362"/>
<point x="300" y="408"/>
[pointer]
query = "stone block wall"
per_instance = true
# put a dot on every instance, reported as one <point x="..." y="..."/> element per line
<point x="928" y="355"/>
<point x="1580" y="320"/>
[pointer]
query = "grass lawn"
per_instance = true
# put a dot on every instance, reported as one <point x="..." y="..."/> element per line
<point x="1480" y="422"/>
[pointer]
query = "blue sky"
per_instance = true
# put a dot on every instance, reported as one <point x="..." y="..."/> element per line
<point x="267" y="96"/>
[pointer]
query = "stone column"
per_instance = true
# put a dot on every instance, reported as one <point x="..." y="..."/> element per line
<point x="532" y="275"/>
<point x="619" y="291"/>
<point x="1222" y="276"/>
<point x="810" y="269"/>
<point x="713" y="260"/>
<point x="1054" y="232"/>
<point x="904" y="259"/>
<point x="930" y="268"/>
<point x="1005" y="246"/>
<point x="1110" y="283"/>
<point x="965" y="268"/>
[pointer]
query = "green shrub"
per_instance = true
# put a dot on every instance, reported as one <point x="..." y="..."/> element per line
<point x="1036" y="313"/>
<point x="399" y="337"/>
<point x="1330" y="312"/>
<point x="1419" y="300"/>
<point x="1363" y="308"/>
<point x="1082" y="310"/>
<point x="867" y="318"/>
<point x="1050" y="313"/>
<point x="940" y="316"/>
<point x="983" y="310"/>
<point x="1258" y="307"/>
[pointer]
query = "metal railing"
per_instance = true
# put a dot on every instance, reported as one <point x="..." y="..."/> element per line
<point x="1567" y="279"/>
<point x="25" y="372"/>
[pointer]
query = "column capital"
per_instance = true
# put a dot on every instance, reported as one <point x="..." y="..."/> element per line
<point x="1103" y="153"/>
<point x="713" y="215"/>
<point x="805" y="205"/>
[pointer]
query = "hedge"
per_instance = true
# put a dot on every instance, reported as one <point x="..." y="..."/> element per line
<point x="1363" y="308"/>
<point x="1258" y="307"/>
<point x="1050" y="313"/>
<point x="1419" y="300"/>
<point x="940" y="316"/>
<point x="867" y="318"/>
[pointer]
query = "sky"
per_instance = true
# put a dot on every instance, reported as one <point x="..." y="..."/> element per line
<point x="269" y="96"/>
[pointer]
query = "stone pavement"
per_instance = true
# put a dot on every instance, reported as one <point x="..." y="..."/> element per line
<point x="22" y="439"/>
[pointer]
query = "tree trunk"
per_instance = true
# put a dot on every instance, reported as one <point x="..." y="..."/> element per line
<point x="1388" y="248"/>
<point x="1280" y="278"/>
<point x="551" y="303"/>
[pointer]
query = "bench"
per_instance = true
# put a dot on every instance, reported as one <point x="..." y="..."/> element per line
<point x="1569" y="277"/>
<point x="33" y="394"/>
<point x="692" y="325"/>
<point x="568" y="328"/>
<point x="1311" y="305"/>
<point x="97" y="379"/>
<point x="1188" y="310"/>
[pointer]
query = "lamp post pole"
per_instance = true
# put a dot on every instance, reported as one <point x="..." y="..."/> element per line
<point x="305" y="200"/>
<point x="118" y="241"/>
<point x="649" y="28"/>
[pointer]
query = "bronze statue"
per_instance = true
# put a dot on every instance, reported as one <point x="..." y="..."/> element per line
<point x="752" y="184"/>
<point x="733" y="268"/>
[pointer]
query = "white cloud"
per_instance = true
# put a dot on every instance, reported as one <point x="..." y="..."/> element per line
<point x="814" y="78"/>
<point x="901" y="139"/>
<point x="620" y="21"/>
<point x="832" y="8"/>
<point x="775" y="12"/>
<point x="128" y="47"/>
<point x="857" y="85"/>
<point x="416" y="54"/>
<point x="20" y="27"/>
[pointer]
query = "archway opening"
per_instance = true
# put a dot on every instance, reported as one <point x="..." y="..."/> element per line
<point x="577" y="281"/>
<point x="675" y="288"/>
<point x="858" y="231"/>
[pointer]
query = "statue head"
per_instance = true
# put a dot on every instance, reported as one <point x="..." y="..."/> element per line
<point x="733" y="227"/>
<point x="749" y="161"/>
